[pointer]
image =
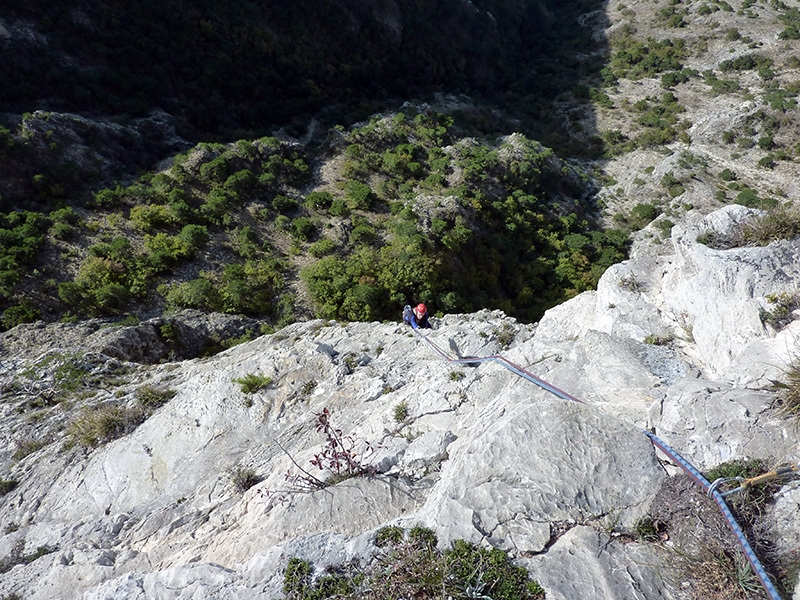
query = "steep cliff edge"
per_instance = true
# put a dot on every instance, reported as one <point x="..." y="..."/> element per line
<point x="473" y="452"/>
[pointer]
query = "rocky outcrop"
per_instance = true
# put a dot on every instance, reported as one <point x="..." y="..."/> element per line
<point x="182" y="335"/>
<point x="471" y="451"/>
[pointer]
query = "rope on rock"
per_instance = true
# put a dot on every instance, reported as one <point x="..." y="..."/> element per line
<point x="758" y="569"/>
<point x="516" y="369"/>
<point x="687" y="467"/>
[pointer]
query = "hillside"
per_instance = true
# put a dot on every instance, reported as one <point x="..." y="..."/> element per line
<point x="318" y="449"/>
<point x="692" y="110"/>
<point x="203" y="252"/>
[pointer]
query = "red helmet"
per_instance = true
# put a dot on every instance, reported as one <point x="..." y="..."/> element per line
<point x="422" y="309"/>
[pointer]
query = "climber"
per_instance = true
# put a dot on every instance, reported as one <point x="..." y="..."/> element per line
<point x="416" y="317"/>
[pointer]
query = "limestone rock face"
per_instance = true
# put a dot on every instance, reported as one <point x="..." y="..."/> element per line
<point x="207" y="487"/>
<point x="527" y="464"/>
<point x="585" y="563"/>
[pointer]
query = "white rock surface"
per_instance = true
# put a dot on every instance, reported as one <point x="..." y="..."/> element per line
<point x="672" y="343"/>
<point x="586" y="563"/>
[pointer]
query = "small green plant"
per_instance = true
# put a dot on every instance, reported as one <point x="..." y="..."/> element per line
<point x="456" y="375"/>
<point x="642" y="214"/>
<point x="28" y="447"/>
<point x="647" y="530"/>
<point x="253" y="382"/>
<point x="151" y="397"/>
<point x="7" y="485"/>
<point x="777" y="223"/>
<point x="391" y="534"/>
<point x="400" y="411"/>
<point x="748" y="504"/>
<point x="102" y="424"/>
<point x="664" y="226"/>
<point x="422" y="537"/>
<point x="243" y="478"/>
<point x="784" y="304"/>
<point x="17" y="556"/>
<point x="505" y="335"/>
<point x="788" y="390"/>
<point x="308" y="387"/>
<point x="298" y="583"/>
<point x="719" y="574"/>
<point x="297" y="578"/>
<point x="350" y="362"/>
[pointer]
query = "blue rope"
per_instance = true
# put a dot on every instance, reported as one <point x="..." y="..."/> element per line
<point x="658" y="442"/>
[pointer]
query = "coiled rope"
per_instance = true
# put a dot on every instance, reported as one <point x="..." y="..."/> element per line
<point x="690" y="470"/>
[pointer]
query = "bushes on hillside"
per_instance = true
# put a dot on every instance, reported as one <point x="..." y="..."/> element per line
<point x="470" y="225"/>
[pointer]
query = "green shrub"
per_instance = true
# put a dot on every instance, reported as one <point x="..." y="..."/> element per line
<point x="109" y="198"/>
<point x="297" y="579"/>
<point x="777" y="223"/>
<point x="62" y="231"/>
<point x="788" y="390"/>
<point x="391" y="534"/>
<point x="318" y="200"/>
<point x="674" y="186"/>
<point x="635" y="59"/>
<point x="166" y="251"/>
<point x="643" y="213"/>
<point x="7" y="486"/>
<point x="64" y="215"/>
<point x="253" y="382"/>
<point x="284" y="204"/>
<point x="790" y="33"/>
<point x="767" y="162"/>
<point x="197" y="293"/>
<point x="322" y="248"/>
<point x="245" y="242"/>
<point x="720" y="86"/>
<point x="147" y="217"/>
<point x="21" y="237"/>
<point x="216" y="170"/>
<point x="250" y="288"/>
<point x="194" y="237"/>
<point x="303" y="228"/>
<point x="151" y="397"/>
<point x="24" y="312"/>
<point x="339" y="208"/>
<point x="673" y="78"/>
<point x="362" y="234"/>
<point x="400" y="411"/>
<point x="664" y="226"/>
<point x="241" y="183"/>
<point x="243" y="478"/>
<point x="217" y="206"/>
<point x="359" y="195"/>
<point x="96" y="426"/>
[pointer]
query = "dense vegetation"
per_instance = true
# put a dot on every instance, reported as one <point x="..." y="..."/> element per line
<point x="409" y="565"/>
<point x="427" y="206"/>
<point x="418" y="213"/>
<point x="422" y="210"/>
